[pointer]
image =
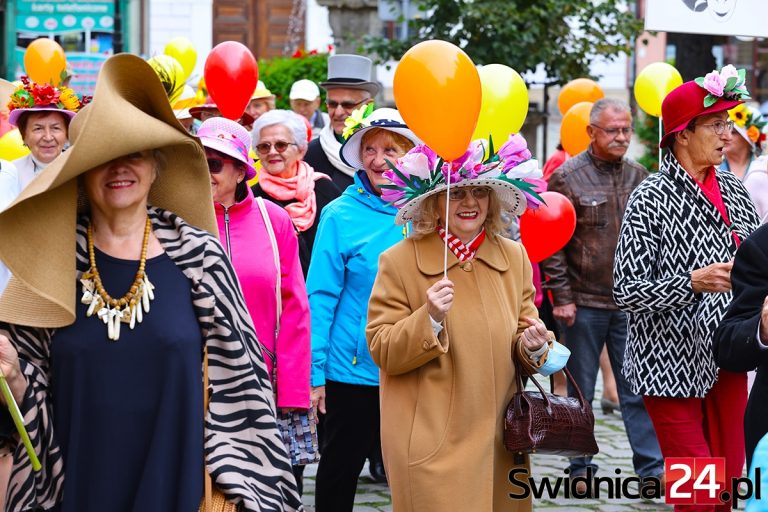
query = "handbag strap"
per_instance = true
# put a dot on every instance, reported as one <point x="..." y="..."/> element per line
<point x="519" y="378"/>
<point x="278" y="280"/>
<point x="207" y="482"/>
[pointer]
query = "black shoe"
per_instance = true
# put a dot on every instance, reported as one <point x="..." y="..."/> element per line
<point x="378" y="474"/>
<point x="608" y="406"/>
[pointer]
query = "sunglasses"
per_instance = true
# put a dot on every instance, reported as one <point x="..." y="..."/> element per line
<point x="280" y="147"/>
<point x="348" y="106"/>
<point x="216" y="165"/>
<point x="457" y="194"/>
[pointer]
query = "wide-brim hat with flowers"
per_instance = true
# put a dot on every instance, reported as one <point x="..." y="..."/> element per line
<point x="715" y="92"/>
<point x="229" y="138"/>
<point x="31" y="97"/>
<point x="511" y="173"/>
<point x="366" y="119"/>
<point x="39" y="226"/>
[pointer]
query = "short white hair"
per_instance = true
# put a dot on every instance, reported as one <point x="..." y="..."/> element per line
<point x="287" y="118"/>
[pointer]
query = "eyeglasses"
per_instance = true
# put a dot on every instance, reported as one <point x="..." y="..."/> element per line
<point x="614" y="132"/>
<point x="720" y="127"/>
<point x="349" y="106"/>
<point x="216" y="165"/>
<point x="457" y="194"/>
<point x="280" y="147"/>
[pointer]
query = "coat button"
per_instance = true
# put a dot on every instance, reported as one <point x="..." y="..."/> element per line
<point x="466" y="266"/>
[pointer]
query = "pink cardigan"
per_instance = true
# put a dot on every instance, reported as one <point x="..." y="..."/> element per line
<point x="246" y="241"/>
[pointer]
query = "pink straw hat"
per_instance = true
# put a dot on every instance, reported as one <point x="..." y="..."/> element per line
<point x="230" y="138"/>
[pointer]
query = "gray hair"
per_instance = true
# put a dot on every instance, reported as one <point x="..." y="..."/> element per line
<point x="604" y="104"/>
<point x="287" y="118"/>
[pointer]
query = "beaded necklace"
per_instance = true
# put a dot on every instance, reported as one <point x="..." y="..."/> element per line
<point x="127" y="309"/>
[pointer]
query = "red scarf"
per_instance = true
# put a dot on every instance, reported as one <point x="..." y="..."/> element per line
<point x="457" y="247"/>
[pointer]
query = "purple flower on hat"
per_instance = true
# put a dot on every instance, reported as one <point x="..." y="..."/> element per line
<point x="728" y="72"/>
<point x="514" y="152"/>
<point x="714" y="83"/>
<point x="416" y="164"/>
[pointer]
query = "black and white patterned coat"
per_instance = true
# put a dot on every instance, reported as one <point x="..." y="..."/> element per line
<point x="669" y="229"/>
<point x="243" y="448"/>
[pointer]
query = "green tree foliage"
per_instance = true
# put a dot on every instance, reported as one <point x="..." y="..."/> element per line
<point x="279" y="73"/>
<point x="563" y="35"/>
<point x="647" y="130"/>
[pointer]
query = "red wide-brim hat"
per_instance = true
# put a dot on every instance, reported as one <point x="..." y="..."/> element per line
<point x="683" y="104"/>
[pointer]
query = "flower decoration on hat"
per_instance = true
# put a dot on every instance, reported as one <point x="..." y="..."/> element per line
<point x="357" y="120"/>
<point x="749" y="122"/>
<point x="32" y="95"/>
<point x="421" y="171"/>
<point x="729" y="83"/>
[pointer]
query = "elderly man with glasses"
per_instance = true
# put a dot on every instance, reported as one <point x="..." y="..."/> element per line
<point x="672" y="276"/>
<point x="598" y="182"/>
<point x="348" y="87"/>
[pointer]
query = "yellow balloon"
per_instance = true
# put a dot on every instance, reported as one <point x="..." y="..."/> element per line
<point x="504" y="103"/>
<point x="171" y="75"/>
<point x="11" y="146"/>
<point x="182" y="49"/>
<point x="653" y="84"/>
<point x="257" y="165"/>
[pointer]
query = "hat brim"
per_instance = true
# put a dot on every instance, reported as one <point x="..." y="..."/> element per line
<point x="222" y="146"/>
<point x="717" y="107"/>
<point x="42" y="290"/>
<point x="196" y="112"/>
<point x="350" y="150"/>
<point x="371" y="87"/>
<point x="511" y="198"/>
<point x="13" y="117"/>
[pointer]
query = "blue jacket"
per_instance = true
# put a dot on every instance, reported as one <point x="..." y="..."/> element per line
<point x="354" y="229"/>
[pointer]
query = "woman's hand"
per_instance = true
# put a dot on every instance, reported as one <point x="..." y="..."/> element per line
<point x="9" y="364"/>
<point x="535" y="335"/>
<point x="317" y="396"/>
<point x="439" y="299"/>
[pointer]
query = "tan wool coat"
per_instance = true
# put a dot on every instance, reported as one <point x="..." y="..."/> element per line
<point x="443" y="398"/>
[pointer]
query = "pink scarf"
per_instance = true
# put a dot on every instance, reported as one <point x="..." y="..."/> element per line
<point x="300" y="187"/>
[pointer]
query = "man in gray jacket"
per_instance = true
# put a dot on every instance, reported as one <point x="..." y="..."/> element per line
<point x="598" y="182"/>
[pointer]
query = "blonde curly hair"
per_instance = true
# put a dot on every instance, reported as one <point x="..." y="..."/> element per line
<point x="427" y="216"/>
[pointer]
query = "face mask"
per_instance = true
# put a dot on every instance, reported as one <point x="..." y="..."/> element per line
<point x="557" y="357"/>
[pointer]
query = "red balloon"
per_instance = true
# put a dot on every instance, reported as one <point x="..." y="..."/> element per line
<point x="546" y="230"/>
<point x="231" y="74"/>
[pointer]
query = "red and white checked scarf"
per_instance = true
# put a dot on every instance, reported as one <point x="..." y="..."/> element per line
<point x="457" y="247"/>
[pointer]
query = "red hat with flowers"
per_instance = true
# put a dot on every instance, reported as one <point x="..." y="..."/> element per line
<point x="32" y="97"/>
<point x="715" y="92"/>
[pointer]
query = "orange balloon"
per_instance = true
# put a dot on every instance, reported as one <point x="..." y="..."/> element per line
<point x="576" y="91"/>
<point x="44" y="61"/>
<point x="573" y="130"/>
<point x="437" y="91"/>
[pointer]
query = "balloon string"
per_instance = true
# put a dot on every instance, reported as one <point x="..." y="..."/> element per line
<point x="447" y="202"/>
<point x="660" y="135"/>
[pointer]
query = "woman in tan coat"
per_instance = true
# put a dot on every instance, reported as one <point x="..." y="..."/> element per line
<point x="445" y="344"/>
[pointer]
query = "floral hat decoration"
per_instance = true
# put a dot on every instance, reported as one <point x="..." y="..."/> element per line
<point x="34" y="97"/>
<point x="749" y="123"/>
<point x="715" y="92"/>
<point x="366" y="119"/>
<point x="511" y="172"/>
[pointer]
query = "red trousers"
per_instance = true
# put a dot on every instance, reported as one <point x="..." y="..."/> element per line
<point x="712" y="426"/>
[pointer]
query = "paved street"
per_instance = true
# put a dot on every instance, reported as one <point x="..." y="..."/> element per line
<point x="614" y="453"/>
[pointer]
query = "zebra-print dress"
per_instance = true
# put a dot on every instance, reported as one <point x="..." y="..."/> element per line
<point x="243" y="449"/>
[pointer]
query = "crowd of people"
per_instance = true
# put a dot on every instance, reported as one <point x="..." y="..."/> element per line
<point x="349" y="293"/>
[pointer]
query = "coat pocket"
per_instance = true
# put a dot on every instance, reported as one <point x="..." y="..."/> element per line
<point x="593" y="210"/>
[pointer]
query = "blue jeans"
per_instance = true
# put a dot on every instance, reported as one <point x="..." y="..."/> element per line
<point x="592" y="329"/>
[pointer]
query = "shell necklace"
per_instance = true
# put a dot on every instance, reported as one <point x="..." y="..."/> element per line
<point x="127" y="309"/>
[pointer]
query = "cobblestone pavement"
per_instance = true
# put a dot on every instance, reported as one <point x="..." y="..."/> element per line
<point x="614" y="454"/>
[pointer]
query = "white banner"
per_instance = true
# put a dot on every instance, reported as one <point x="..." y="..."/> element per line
<point x="722" y="17"/>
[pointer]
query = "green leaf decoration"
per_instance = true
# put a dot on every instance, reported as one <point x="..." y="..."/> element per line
<point x="730" y="83"/>
<point x="491" y="152"/>
<point x="742" y="75"/>
<point x="700" y="81"/>
<point x="709" y="100"/>
<point x="369" y="110"/>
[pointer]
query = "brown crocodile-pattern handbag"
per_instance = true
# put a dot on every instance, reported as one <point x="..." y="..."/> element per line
<point x="541" y="422"/>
